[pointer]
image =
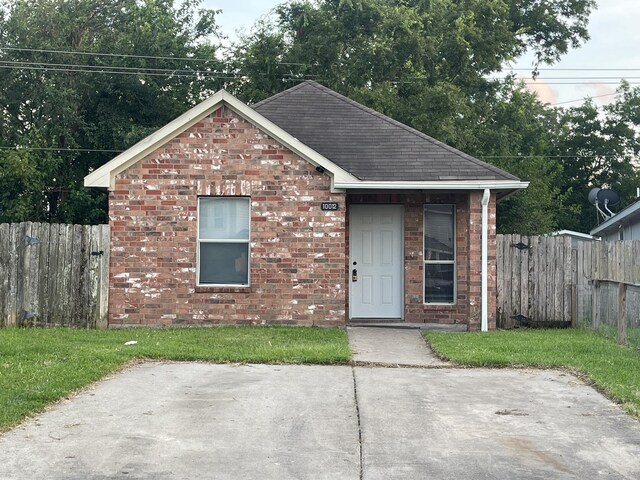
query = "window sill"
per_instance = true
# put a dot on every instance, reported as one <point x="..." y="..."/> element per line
<point x="223" y="289"/>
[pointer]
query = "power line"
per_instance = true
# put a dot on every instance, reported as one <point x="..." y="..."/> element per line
<point x="229" y="76"/>
<point x="120" y="72"/>
<point x="102" y="67"/>
<point x="53" y="149"/>
<point x="637" y="82"/>
<point x="158" y="72"/>
<point x="97" y="54"/>
<point x="581" y="69"/>
<point x="122" y="55"/>
<point x="199" y="59"/>
<point x="93" y="150"/>
<point x="583" y="99"/>
<point x="523" y="157"/>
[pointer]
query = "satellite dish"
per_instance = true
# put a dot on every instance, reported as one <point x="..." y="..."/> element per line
<point x="608" y="197"/>
<point x="593" y="195"/>
<point x="604" y="197"/>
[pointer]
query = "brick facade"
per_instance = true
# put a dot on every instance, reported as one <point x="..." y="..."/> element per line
<point x="297" y="251"/>
<point x="299" y="254"/>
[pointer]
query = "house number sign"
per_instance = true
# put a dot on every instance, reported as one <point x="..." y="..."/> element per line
<point x="329" y="206"/>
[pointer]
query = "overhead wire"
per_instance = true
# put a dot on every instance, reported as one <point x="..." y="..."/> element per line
<point x="96" y="150"/>
<point x="198" y="59"/>
<point x="583" y="99"/>
<point x="100" y="54"/>
<point x="54" y="149"/>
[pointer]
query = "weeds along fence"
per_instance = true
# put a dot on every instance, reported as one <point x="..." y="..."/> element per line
<point x="558" y="279"/>
<point x="54" y="275"/>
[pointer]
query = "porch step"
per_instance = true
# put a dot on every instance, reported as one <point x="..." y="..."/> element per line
<point x="438" y="327"/>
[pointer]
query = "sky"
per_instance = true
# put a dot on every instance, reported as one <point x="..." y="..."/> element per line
<point x="614" y="46"/>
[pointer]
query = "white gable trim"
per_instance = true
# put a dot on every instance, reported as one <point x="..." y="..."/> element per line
<point x="104" y="177"/>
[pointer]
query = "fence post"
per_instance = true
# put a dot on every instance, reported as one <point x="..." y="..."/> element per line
<point x="595" y="313"/>
<point x="574" y="288"/>
<point x="574" y="305"/>
<point x="622" y="310"/>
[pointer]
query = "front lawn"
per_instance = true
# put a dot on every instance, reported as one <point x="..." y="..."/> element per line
<point x="40" y="366"/>
<point x="613" y="369"/>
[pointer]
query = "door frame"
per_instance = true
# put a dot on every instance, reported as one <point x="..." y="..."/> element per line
<point x="402" y="260"/>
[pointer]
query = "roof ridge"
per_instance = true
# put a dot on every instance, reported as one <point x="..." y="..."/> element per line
<point x="280" y="94"/>
<point x="409" y="129"/>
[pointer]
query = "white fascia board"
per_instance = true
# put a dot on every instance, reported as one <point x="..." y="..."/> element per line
<point x="435" y="185"/>
<point x="104" y="177"/>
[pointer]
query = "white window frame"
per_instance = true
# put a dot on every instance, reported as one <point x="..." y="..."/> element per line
<point x="199" y="241"/>
<point x="440" y="262"/>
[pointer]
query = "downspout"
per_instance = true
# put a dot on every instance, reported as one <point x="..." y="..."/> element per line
<point x="484" y="324"/>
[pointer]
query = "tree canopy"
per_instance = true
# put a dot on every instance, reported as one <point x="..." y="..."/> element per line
<point x="81" y="80"/>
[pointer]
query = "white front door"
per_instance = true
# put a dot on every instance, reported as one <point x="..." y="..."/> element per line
<point x="375" y="261"/>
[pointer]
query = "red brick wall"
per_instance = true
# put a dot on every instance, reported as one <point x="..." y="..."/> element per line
<point x="466" y="310"/>
<point x="298" y="252"/>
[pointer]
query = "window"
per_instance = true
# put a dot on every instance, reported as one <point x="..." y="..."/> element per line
<point x="223" y="241"/>
<point x="439" y="254"/>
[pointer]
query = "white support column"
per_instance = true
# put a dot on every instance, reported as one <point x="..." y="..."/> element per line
<point x="484" y="325"/>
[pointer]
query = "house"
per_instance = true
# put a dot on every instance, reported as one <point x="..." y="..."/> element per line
<point x="576" y="237"/>
<point x="624" y="225"/>
<point x="307" y="208"/>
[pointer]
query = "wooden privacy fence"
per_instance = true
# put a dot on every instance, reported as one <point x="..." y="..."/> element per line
<point x="54" y="275"/>
<point x="551" y="279"/>
<point x="535" y="279"/>
<point x="616" y="289"/>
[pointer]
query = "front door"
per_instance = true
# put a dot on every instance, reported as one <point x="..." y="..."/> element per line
<point x="376" y="271"/>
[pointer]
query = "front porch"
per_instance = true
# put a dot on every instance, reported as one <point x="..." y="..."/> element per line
<point x="432" y="274"/>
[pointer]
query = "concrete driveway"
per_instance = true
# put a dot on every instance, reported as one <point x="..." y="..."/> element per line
<point x="201" y="421"/>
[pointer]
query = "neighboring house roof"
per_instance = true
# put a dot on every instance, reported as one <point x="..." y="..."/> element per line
<point x="573" y="234"/>
<point x="629" y="215"/>
<point x="359" y="147"/>
<point x="368" y="144"/>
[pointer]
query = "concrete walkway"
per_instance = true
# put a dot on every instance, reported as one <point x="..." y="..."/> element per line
<point x="391" y="347"/>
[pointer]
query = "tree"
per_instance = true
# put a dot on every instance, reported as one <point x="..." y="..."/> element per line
<point x="83" y="79"/>
<point x="518" y="122"/>
<point x="428" y="64"/>
<point x="599" y="148"/>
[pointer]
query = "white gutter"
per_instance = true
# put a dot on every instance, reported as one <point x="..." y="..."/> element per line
<point x="434" y="185"/>
<point x="484" y="324"/>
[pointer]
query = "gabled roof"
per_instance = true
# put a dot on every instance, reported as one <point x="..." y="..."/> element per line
<point x="358" y="147"/>
<point x="105" y="175"/>
<point x="368" y="144"/>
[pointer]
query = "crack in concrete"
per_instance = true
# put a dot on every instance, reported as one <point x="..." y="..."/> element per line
<point x="355" y="399"/>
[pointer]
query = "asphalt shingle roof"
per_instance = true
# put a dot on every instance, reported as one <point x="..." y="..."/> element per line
<point x="366" y="143"/>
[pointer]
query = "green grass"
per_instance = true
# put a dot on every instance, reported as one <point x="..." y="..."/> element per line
<point x="613" y="369"/>
<point x="40" y="366"/>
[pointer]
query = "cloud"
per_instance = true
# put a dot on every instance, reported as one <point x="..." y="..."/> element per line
<point x="602" y="89"/>
<point x="545" y="92"/>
